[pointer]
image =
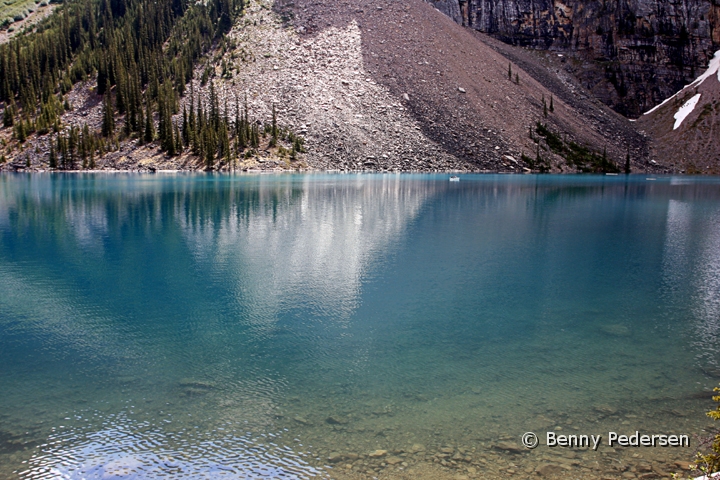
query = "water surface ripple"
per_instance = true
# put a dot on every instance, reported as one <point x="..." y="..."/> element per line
<point x="249" y="326"/>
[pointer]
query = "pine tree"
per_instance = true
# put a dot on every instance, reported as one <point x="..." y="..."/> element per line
<point x="552" y="108"/>
<point x="274" y="129"/>
<point x="509" y="71"/>
<point x="208" y="147"/>
<point x="149" y="134"/>
<point x="254" y="136"/>
<point x="84" y="145"/>
<point x="185" y="127"/>
<point x="62" y="149"/>
<point x="224" y="142"/>
<point x="214" y="109"/>
<point x="108" y="125"/>
<point x="178" y="141"/>
<point x="53" y="155"/>
<point x="8" y="116"/>
<point x="20" y="131"/>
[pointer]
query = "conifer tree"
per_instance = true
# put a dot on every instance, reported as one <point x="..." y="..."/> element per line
<point x="53" y="155"/>
<point x="273" y="129"/>
<point x="149" y="134"/>
<point x="20" y="131"/>
<point x="185" y="127"/>
<point x="178" y="141"/>
<point x="108" y="125"/>
<point x="8" y="116"/>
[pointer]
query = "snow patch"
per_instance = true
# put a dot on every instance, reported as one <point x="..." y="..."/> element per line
<point x="659" y="105"/>
<point x="685" y="110"/>
<point x="713" y="67"/>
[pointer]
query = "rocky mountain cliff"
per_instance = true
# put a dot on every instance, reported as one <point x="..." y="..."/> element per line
<point x="631" y="54"/>
<point x="685" y="127"/>
<point x="374" y="85"/>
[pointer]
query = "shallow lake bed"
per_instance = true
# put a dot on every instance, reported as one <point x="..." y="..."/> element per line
<point x="401" y="326"/>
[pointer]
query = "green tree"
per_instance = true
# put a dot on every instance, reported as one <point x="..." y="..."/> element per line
<point x="8" y="116"/>
<point x="273" y="129"/>
<point x="108" y="125"/>
<point x="53" y="155"/>
<point x="149" y="135"/>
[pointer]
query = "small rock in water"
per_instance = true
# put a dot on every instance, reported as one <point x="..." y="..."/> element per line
<point x="335" y="457"/>
<point x="302" y="420"/>
<point x="393" y="460"/>
<point x="335" y="420"/>
<point x="378" y="454"/>
<point x="417" y="448"/>
<point x="508" y="447"/>
<point x="448" y="450"/>
<point x="199" y="384"/>
<point x="548" y="469"/>
<point x="615" y="330"/>
<point x="606" y="409"/>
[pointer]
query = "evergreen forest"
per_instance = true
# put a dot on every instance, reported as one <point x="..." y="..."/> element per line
<point x="141" y="54"/>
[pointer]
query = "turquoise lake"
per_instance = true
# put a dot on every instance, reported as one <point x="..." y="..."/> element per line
<point x="178" y="325"/>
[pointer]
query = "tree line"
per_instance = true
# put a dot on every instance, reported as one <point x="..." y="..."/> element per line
<point x="142" y="54"/>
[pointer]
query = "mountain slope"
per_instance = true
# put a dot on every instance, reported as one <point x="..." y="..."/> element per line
<point x="686" y="126"/>
<point x="377" y="85"/>
<point x="631" y="54"/>
<point x="441" y="78"/>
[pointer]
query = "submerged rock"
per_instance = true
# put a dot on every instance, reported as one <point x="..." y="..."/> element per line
<point x="548" y="469"/>
<point x="508" y="447"/>
<point x="615" y="330"/>
<point x="335" y="420"/>
<point x="335" y="457"/>
<point x="199" y="384"/>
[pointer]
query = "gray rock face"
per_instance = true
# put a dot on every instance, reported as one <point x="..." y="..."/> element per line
<point x="631" y="53"/>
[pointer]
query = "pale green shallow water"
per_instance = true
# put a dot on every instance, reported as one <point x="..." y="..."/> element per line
<point x="170" y="325"/>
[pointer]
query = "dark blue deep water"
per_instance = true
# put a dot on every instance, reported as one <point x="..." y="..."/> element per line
<point x="204" y="326"/>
